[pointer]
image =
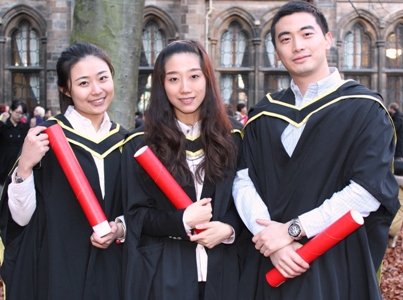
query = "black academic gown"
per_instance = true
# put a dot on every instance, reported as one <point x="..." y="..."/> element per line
<point x="159" y="259"/>
<point x="348" y="136"/>
<point x="52" y="257"/>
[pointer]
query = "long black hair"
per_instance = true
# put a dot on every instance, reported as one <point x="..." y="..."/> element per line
<point x="163" y="134"/>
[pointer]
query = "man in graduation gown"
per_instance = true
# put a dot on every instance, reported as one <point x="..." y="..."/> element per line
<point x="312" y="153"/>
<point x="52" y="256"/>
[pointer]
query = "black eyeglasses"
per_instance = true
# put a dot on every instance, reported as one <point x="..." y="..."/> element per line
<point x="19" y="113"/>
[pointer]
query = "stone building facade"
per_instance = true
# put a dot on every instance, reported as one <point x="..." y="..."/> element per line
<point x="367" y="45"/>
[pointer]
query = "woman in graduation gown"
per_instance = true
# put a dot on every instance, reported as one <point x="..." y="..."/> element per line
<point x="51" y="251"/>
<point x="188" y="130"/>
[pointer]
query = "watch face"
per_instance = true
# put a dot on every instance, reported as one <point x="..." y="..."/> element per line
<point x="294" y="230"/>
<point x="19" y="179"/>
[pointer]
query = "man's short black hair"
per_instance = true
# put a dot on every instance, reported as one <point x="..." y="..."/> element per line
<point x="295" y="7"/>
<point x="240" y="106"/>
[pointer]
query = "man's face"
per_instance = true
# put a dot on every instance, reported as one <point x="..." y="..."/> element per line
<point x="391" y="110"/>
<point x="302" y="47"/>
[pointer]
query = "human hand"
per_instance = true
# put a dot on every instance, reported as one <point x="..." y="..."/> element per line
<point x="274" y="237"/>
<point x="288" y="262"/>
<point x="212" y="234"/>
<point x="106" y="240"/>
<point x="198" y="213"/>
<point x="35" y="146"/>
<point x="4" y="116"/>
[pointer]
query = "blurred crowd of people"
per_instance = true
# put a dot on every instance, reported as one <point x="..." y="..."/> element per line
<point x="14" y="125"/>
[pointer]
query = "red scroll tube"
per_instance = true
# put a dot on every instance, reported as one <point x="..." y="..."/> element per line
<point x="325" y="240"/>
<point x="77" y="180"/>
<point x="168" y="185"/>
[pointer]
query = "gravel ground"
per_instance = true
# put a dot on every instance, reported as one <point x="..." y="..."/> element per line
<point x="392" y="271"/>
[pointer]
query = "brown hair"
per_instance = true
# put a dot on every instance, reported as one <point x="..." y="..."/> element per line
<point x="162" y="132"/>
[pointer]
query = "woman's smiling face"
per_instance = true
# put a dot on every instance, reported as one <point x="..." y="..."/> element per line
<point x="185" y="86"/>
<point x="92" y="88"/>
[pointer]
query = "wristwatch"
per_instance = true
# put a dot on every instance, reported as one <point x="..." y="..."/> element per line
<point x="121" y="239"/>
<point x="18" y="179"/>
<point x="294" y="230"/>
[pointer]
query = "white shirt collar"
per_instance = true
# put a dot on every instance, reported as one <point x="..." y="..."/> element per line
<point x="189" y="130"/>
<point x="316" y="89"/>
<point x="84" y="125"/>
<point x="323" y="85"/>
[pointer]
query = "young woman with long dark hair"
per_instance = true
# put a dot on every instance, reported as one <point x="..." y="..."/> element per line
<point x="189" y="131"/>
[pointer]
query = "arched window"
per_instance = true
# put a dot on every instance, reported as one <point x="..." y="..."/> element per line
<point x="271" y="61"/>
<point x="25" y="62"/>
<point x="154" y="40"/>
<point x="357" y="51"/>
<point x="234" y="58"/>
<point x="394" y="48"/>
<point x="276" y="77"/>
<point x="25" y="46"/>
<point x="357" y="63"/>
<point x="394" y="60"/>
<point x="234" y="47"/>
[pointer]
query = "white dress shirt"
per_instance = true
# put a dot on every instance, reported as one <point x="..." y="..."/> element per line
<point x="251" y="207"/>
<point x="193" y="161"/>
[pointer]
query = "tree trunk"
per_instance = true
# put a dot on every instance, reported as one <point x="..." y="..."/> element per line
<point x="115" y="26"/>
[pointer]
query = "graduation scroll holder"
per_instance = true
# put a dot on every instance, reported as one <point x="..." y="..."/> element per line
<point x="325" y="240"/>
<point x="78" y="181"/>
<point x="164" y="180"/>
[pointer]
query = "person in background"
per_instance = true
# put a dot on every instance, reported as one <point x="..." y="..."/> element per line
<point x="138" y="120"/>
<point x="12" y="134"/>
<point x="189" y="131"/>
<point x="39" y="115"/>
<point x="241" y="113"/>
<point x="312" y="153"/>
<point x="48" y="114"/>
<point x="397" y="118"/>
<point x="51" y="251"/>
